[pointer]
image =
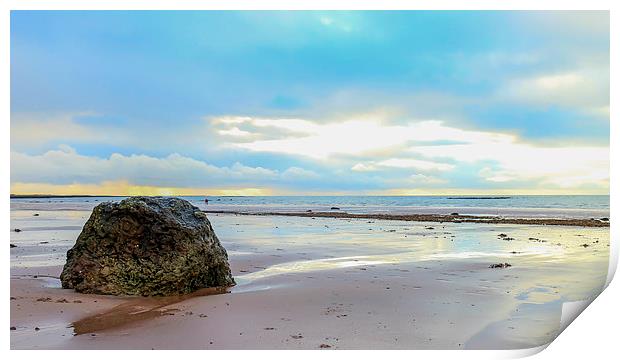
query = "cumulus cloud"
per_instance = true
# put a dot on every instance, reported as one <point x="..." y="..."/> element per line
<point x="426" y="115"/>
<point x="567" y="167"/>
<point x="381" y="154"/>
<point x="434" y="147"/>
<point x="65" y="166"/>
<point x="349" y="137"/>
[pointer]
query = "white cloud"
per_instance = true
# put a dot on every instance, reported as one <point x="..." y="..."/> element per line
<point x="408" y="163"/>
<point x="349" y="137"/>
<point x="584" y="89"/>
<point x="297" y="173"/>
<point x="416" y="164"/>
<point x="358" y="144"/>
<point x="569" y="166"/>
<point x="235" y="132"/>
<point x="429" y="145"/>
<point x="65" y="166"/>
<point x="364" y="167"/>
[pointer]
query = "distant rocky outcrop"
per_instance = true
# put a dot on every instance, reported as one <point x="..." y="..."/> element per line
<point x="146" y="246"/>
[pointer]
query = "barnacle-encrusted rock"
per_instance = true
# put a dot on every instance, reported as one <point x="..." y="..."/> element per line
<point x="146" y="246"/>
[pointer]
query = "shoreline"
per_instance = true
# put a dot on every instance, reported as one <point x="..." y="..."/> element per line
<point x="426" y="218"/>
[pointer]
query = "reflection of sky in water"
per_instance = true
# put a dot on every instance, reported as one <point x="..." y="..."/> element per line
<point x="351" y="242"/>
<point x="315" y="265"/>
<point x="548" y="262"/>
<point x="44" y="239"/>
<point x="360" y="238"/>
<point x="26" y="261"/>
<point x="346" y="262"/>
<point x="537" y="295"/>
<point x="50" y="216"/>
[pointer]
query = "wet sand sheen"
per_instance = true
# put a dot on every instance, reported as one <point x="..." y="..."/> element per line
<point x="136" y="310"/>
<point x="346" y="283"/>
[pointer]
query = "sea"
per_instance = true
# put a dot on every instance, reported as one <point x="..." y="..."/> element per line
<point x="523" y="206"/>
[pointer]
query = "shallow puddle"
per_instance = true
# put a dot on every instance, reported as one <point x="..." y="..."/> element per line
<point x="137" y="309"/>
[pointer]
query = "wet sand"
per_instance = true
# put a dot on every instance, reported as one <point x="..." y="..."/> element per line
<point x="455" y="218"/>
<point x="322" y="283"/>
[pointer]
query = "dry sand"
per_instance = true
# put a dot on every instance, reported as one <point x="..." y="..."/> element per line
<point x="321" y="283"/>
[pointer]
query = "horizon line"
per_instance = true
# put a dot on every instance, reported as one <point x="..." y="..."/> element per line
<point x="24" y="196"/>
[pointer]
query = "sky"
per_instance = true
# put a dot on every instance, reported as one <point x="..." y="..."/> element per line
<point x="308" y="103"/>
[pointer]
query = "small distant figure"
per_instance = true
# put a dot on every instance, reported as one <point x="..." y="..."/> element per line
<point x="206" y="201"/>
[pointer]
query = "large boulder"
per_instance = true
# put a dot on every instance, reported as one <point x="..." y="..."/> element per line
<point x="146" y="246"/>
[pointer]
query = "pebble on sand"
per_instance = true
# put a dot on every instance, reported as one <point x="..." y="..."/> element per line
<point x="500" y="265"/>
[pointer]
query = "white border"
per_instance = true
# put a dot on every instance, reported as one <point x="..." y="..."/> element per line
<point x="593" y="333"/>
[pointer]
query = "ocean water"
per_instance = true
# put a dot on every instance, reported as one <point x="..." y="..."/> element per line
<point x="558" y="206"/>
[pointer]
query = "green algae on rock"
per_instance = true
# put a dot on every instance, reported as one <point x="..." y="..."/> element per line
<point x="146" y="246"/>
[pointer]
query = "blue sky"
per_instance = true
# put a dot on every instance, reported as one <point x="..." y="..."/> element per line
<point x="406" y="102"/>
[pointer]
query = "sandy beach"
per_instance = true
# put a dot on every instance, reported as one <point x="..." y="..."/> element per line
<point x="261" y="177"/>
<point x="321" y="283"/>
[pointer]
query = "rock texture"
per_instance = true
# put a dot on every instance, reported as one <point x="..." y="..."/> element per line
<point x="146" y="246"/>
